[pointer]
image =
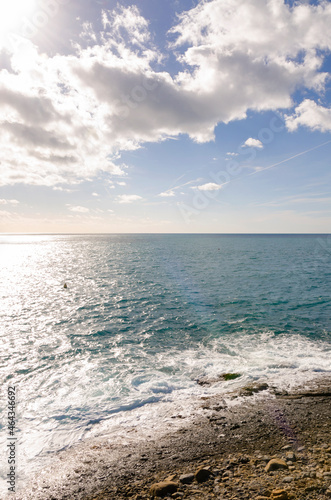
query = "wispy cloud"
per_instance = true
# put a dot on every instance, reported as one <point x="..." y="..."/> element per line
<point x="78" y="209"/>
<point x="128" y="198"/>
<point x="299" y="199"/>
<point x="209" y="186"/>
<point x="8" y="202"/>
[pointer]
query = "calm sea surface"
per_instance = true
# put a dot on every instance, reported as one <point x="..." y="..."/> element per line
<point x="143" y="317"/>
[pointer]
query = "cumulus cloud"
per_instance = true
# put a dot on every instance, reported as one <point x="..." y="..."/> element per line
<point x="210" y="186"/>
<point x="167" y="194"/>
<point x="253" y="143"/>
<point x="128" y="198"/>
<point x="311" y="115"/>
<point x="65" y="118"/>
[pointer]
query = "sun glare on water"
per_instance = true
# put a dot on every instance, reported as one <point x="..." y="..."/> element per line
<point x="13" y="13"/>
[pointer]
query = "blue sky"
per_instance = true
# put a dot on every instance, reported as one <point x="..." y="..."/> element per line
<point x="178" y="116"/>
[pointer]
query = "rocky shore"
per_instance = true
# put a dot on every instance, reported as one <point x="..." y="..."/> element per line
<point x="273" y="445"/>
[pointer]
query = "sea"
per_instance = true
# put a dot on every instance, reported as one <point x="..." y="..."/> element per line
<point x="142" y="319"/>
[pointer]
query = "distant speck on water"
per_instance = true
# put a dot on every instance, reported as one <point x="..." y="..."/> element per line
<point x="65" y="285"/>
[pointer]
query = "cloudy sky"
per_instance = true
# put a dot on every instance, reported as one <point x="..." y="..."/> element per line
<point x="177" y="116"/>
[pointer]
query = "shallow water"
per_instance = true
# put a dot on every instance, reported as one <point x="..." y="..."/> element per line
<point x="144" y="317"/>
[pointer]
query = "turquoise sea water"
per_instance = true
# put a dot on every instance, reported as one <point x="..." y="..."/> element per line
<point x="143" y="317"/>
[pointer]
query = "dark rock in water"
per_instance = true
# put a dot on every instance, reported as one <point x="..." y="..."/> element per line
<point x="207" y="381"/>
<point x="225" y="377"/>
<point x="65" y="285"/>
<point x="186" y="478"/>
<point x="202" y="474"/>
<point x="230" y="376"/>
<point x="163" y="488"/>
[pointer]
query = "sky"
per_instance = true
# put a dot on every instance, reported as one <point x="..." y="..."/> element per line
<point x="183" y="116"/>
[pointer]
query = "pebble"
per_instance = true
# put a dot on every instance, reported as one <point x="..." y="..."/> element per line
<point x="279" y="495"/>
<point x="275" y="464"/>
<point x="290" y="456"/>
<point x="163" y="488"/>
<point x="202" y="474"/>
<point x="186" y="478"/>
<point x="288" y="479"/>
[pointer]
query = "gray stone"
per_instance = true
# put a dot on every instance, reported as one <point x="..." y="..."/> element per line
<point x="288" y="479"/>
<point x="186" y="478"/>
<point x="290" y="456"/>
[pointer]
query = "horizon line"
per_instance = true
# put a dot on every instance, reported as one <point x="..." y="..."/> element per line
<point x="155" y="233"/>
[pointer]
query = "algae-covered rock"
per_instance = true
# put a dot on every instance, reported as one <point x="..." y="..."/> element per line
<point x="230" y="376"/>
<point x="223" y="377"/>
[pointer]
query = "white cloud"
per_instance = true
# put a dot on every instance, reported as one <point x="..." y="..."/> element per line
<point x="232" y="154"/>
<point x="121" y="183"/>
<point x="311" y="115"/>
<point x="210" y="186"/>
<point x="167" y="194"/>
<point x="78" y="209"/>
<point x="127" y="19"/>
<point x="65" y="118"/>
<point x="62" y="189"/>
<point x="95" y="194"/>
<point x="128" y="198"/>
<point x="253" y="143"/>
<point x="9" y="202"/>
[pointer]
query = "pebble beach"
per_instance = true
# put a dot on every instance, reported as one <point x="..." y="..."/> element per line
<point x="272" y="445"/>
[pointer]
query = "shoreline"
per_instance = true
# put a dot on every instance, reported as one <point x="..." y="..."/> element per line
<point x="233" y="442"/>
